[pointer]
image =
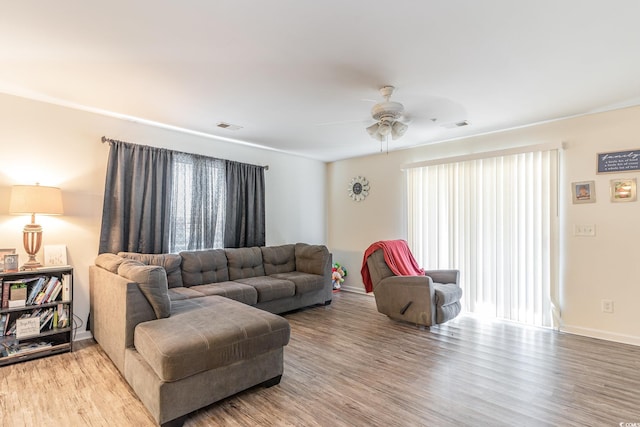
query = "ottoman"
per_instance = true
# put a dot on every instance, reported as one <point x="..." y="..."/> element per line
<point x="208" y="349"/>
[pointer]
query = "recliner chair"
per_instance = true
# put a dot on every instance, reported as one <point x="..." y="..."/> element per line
<point x="424" y="300"/>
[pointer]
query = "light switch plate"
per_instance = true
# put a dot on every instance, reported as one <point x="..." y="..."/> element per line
<point x="588" y="230"/>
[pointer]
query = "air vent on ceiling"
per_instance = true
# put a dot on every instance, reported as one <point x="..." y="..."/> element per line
<point x="229" y="126"/>
<point x="456" y="124"/>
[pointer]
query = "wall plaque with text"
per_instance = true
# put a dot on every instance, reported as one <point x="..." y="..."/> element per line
<point x="619" y="161"/>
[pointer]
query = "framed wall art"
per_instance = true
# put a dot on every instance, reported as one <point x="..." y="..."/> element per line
<point x="623" y="190"/>
<point x="583" y="192"/>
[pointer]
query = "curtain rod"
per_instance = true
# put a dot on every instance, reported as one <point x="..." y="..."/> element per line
<point x="105" y="139"/>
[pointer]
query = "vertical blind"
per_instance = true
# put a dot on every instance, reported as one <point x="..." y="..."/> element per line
<point x="495" y="220"/>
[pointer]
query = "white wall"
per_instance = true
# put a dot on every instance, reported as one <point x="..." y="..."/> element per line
<point x="592" y="268"/>
<point x="307" y="200"/>
<point x="61" y="147"/>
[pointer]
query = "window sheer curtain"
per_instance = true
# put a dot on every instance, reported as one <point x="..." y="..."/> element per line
<point x="198" y="203"/>
<point x="159" y="201"/>
<point x="495" y="220"/>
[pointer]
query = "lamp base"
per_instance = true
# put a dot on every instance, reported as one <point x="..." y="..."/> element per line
<point x="32" y="264"/>
<point x="32" y="239"/>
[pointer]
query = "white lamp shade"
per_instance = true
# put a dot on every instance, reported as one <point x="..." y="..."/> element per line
<point x="398" y="129"/>
<point x="384" y="129"/>
<point x="35" y="199"/>
<point x="373" y="130"/>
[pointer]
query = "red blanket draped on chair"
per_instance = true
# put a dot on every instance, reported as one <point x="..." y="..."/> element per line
<point x="397" y="256"/>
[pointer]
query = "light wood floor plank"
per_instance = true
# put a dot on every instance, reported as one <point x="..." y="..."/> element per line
<point x="348" y="365"/>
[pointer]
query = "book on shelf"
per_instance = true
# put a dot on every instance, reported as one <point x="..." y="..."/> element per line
<point x="11" y="349"/>
<point x="51" y="287"/>
<point x="63" y="316"/>
<point x="6" y="325"/>
<point x="12" y="328"/>
<point x="18" y="290"/>
<point x="66" y="287"/>
<point x="46" y="319"/>
<point x="35" y="289"/>
<point x="5" y="293"/>
<point x="56" y="291"/>
<point x="45" y="295"/>
<point x="4" y="319"/>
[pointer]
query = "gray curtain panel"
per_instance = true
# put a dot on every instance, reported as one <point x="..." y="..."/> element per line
<point x="136" y="209"/>
<point x="160" y="201"/>
<point x="245" y="218"/>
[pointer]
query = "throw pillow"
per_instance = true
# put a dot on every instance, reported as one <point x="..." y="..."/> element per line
<point x="152" y="281"/>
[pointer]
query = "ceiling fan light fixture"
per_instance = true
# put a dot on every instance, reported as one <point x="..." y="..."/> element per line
<point x="387" y="115"/>
<point x="384" y="129"/>
<point x="373" y="130"/>
<point x="398" y="129"/>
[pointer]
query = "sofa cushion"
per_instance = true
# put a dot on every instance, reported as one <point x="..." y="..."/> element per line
<point x="207" y="333"/>
<point x="446" y="294"/>
<point x="234" y="290"/>
<point x="109" y="262"/>
<point x="207" y="266"/>
<point x="304" y="282"/>
<point x="152" y="281"/>
<point x="270" y="288"/>
<point x="311" y="258"/>
<point x="176" y="294"/>
<point x="244" y="263"/>
<point x="278" y="259"/>
<point x="170" y="262"/>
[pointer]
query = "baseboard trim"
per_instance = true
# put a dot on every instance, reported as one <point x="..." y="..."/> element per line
<point x="604" y="335"/>
<point x="355" y="290"/>
<point x="83" y="335"/>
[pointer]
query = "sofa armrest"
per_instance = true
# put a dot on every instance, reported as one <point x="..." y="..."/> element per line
<point x="316" y="259"/>
<point x="117" y="306"/>
<point x="391" y="284"/>
<point x="444" y="276"/>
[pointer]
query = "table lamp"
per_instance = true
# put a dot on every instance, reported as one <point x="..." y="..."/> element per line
<point x="32" y="200"/>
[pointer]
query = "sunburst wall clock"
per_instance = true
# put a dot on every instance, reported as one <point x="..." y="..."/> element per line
<point x="358" y="188"/>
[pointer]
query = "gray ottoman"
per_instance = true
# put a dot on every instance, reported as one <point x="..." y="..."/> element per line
<point x="209" y="349"/>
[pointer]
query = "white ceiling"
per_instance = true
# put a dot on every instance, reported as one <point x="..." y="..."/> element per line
<point x="300" y="76"/>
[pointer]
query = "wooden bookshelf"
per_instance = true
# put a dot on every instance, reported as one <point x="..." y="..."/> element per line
<point x="49" y="299"/>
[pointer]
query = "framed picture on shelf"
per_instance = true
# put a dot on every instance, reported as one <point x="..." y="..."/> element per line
<point x="55" y="255"/>
<point x="623" y="190"/>
<point x="10" y="263"/>
<point x="583" y="192"/>
<point x="4" y="252"/>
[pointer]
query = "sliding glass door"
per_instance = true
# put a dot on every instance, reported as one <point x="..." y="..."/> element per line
<point x="494" y="219"/>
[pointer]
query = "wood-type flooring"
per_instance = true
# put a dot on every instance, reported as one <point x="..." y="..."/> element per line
<point x="348" y="365"/>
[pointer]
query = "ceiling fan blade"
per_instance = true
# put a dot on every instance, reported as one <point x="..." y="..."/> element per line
<point x="341" y="122"/>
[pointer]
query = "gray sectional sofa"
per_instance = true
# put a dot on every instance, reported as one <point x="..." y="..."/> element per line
<point x="186" y="330"/>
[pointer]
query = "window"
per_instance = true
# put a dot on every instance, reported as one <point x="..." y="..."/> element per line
<point x="198" y="203"/>
<point x="495" y="220"/>
<point x="158" y="200"/>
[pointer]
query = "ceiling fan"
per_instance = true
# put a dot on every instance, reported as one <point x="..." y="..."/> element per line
<point x="387" y="115"/>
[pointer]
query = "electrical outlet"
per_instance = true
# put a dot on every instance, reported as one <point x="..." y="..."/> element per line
<point x="607" y="306"/>
<point x="588" y="230"/>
